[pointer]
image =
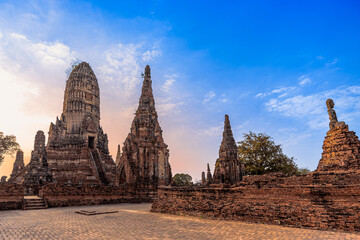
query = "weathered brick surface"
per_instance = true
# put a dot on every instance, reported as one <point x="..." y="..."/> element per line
<point x="341" y="149"/>
<point x="57" y="195"/>
<point x="320" y="200"/>
<point x="11" y="196"/>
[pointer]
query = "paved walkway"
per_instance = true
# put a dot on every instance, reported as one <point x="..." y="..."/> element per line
<point x="134" y="221"/>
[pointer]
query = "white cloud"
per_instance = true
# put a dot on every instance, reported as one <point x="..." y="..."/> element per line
<point x="149" y="55"/>
<point x="209" y="96"/>
<point x="169" y="82"/>
<point x="303" y="80"/>
<point x="282" y="90"/>
<point x="223" y="98"/>
<point x="123" y="66"/>
<point x="212" y="131"/>
<point x="166" y="106"/>
<point x="312" y="108"/>
<point x="31" y="76"/>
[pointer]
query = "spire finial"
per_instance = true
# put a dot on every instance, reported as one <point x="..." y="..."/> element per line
<point x="227" y="121"/>
<point x="147" y="71"/>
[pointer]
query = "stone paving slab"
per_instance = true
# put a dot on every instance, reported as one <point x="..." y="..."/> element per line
<point x="134" y="221"/>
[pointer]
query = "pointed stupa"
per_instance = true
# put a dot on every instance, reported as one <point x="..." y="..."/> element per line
<point x="118" y="155"/>
<point x="19" y="162"/>
<point x="145" y="157"/>
<point x="203" y="180"/>
<point x="228" y="166"/>
<point x="18" y="167"/>
<point x="38" y="172"/>
<point x="209" y="178"/>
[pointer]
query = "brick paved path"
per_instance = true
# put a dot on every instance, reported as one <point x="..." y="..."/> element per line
<point x="134" y="221"/>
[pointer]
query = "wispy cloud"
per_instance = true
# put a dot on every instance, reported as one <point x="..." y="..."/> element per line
<point x="124" y="64"/>
<point x="303" y="80"/>
<point x="311" y="108"/>
<point x="209" y="96"/>
<point x="214" y="131"/>
<point x="170" y="79"/>
<point x="149" y="55"/>
<point x="282" y="90"/>
<point x="168" y="106"/>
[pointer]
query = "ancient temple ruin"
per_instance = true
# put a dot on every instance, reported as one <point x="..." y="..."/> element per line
<point x="144" y="161"/>
<point x="341" y="148"/>
<point x="77" y="148"/>
<point x="18" y="172"/>
<point x="208" y="179"/>
<point x="326" y="199"/>
<point x="228" y="166"/>
<point x="37" y="173"/>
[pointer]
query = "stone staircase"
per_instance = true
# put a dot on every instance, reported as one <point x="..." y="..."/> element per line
<point x="33" y="202"/>
<point x="99" y="166"/>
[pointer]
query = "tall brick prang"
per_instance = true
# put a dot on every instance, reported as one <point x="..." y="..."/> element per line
<point x="228" y="165"/>
<point x="77" y="148"/>
<point x="144" y="160"/>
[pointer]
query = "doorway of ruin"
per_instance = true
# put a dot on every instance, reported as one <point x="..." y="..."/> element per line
<point x="91" y="142"/>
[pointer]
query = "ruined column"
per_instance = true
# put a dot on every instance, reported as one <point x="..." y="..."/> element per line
<point x="118" y="155"/>
<point x="18" y="164"/>
<point x="203" y="180"/>
<point x="3" y="179"/>
<point x="341" y="147"/>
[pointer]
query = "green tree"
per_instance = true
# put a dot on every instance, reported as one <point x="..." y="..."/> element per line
<point x="8" y="145"/>
<point x="303" y="171"/>
<point x="261" y="155"/>
<point x="182" y="179"/>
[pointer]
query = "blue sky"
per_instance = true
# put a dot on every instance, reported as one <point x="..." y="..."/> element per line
<point x="269" y="65"/>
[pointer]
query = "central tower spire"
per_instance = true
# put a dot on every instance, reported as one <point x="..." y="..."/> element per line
<point x="146" y="100"/>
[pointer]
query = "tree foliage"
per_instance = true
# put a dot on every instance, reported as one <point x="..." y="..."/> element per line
<point x="8" y="145"/>
<point x="182" y="179"/>
<point x="261" y="155"/>
<point x="302" y="171"/>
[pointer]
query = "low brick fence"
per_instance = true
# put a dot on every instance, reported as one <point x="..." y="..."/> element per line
<point x="57" y="195"/>
<point x="11" y="196"/>
<point x="319" y="200"/>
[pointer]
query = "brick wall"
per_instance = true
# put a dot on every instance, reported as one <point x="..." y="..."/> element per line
<point x="58" y="195"/>
<point x="319" y="200"/>
<point x="11" y="196"/>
